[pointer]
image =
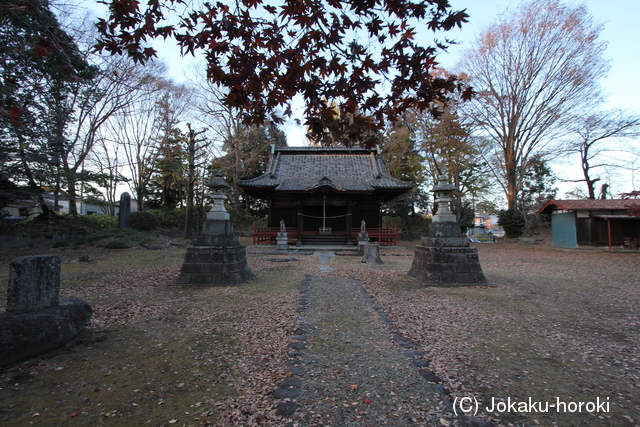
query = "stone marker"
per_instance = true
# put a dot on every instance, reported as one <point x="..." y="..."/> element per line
<point x="34" y="283"/>
<point x="36" y="322"/>
<point x="363" y="237"/>
<point x="124" y="214"/>
<point x="445" y="258"/>
<point x="372" y="253"/>
<point x="217" y="258"/>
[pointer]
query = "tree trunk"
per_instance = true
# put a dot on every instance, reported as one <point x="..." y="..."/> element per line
<point x="139" y="196"/>
<point x="191" y="159"/>
<point x="512" y="187"/>
<point x="71" y="192"/>
<point x="591" y="183"/>
<point x="407" y="225"/>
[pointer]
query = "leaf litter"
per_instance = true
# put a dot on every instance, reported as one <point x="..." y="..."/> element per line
<point x="554" y="324"/>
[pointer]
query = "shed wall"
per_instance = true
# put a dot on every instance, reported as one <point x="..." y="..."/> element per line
<point x="563" y="230"/>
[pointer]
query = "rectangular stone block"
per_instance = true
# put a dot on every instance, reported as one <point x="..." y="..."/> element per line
<point x="462" y="267"/>
<point x="449" y="278"/>
<point x="34" y="283"/>
<point x="465" y="278"/>
<point x="183" y="278"/>
<point x="217" y="228"/>
<point x="473" y="257"/>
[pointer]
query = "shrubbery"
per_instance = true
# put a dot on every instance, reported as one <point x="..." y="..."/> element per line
<point x="245" y="222"/>
<point x="419" y="225"/>
<point x="145" y="221"/>
<point x="169" y="217"/>
<point x="117" y="244"/>
<point x="512" y="222"/>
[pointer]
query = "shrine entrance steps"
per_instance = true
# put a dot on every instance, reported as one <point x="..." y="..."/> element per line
<point x="324" y="239"/>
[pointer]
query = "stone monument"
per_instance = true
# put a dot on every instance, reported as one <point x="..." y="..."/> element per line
<point x="217" y="258"/>
<point x="124" y="213"/>
<point x="445" y="258"/>
<point x="363" y="237"/>
<point x="372" y="253"/>
<point x="36" y="322"/>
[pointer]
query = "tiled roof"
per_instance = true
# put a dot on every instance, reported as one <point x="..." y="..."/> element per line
<point x="338" y="168"/>
<point x="588" y="204"/>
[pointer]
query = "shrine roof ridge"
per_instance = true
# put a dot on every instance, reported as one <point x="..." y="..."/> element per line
<point x="339" y="169"/>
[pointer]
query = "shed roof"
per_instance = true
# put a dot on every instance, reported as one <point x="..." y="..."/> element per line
<point x="588" y="205"/>
<point x="340" y="169"/>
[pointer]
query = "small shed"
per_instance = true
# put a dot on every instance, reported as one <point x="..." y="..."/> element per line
<point x="587" y="222"/>
<point x="323" y="194"/>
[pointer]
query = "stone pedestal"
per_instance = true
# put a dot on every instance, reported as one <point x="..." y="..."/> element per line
<point x="445" y="258"/>
<point x="446" y="261"/>
<point x="363" y="239"/>
<point x="282" y="241"/>
<point x="217" y="257"/>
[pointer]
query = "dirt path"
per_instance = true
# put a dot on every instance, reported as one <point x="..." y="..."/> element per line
<point x="353" y="369"/>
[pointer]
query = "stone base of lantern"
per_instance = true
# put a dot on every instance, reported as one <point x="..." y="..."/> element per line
<point x="216" y="259"/>
<point x="446" y="261"/>
<point x="282" y="241"/>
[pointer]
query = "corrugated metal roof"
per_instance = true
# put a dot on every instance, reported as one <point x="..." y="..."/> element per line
<point x="310" y="168"/>
<point x="588" y="204"/>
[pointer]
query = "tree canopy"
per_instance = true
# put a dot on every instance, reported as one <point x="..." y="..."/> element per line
<point x="361" y="55"/>
<point x="39" y="68"/>
<point x="534" y="69"/>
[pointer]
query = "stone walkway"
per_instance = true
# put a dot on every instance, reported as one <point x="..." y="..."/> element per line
<point x="350" y="367"/>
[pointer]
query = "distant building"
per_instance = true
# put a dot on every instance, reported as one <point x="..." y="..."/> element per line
<point x="576" y="223"/>
<point x="485" y="224"/>
<point x="30" y="207"/>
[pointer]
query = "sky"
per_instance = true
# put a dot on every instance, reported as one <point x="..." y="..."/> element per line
<point x="621" y="32"/>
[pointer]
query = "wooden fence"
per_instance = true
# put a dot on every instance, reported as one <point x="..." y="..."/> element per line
<point x="267" y="235"/>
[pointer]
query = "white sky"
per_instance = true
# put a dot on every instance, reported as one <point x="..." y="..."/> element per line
<point x="621" y="32"/>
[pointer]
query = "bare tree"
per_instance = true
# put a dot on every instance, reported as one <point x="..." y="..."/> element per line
<point x="117" y="86"/>
<point x="195" y="153"/>
<point x="533" y="70"/>
<point x="242" y="151"/>
<point x="591" y="139"/>
<point x="107" y="158"/>
<point x="140" y="127"/>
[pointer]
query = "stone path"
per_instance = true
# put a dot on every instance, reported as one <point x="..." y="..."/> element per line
<point x="350" y="367"/>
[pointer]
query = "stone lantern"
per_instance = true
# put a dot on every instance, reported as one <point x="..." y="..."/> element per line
<point x="218" y="188"/>
<point x="217" y="258"/>
<point x="444" y="258"/>
<point x="444" y="222"/>
<point x="443" y="196"/>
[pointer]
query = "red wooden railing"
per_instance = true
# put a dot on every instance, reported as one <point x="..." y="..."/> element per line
<point x="267" y="235"/>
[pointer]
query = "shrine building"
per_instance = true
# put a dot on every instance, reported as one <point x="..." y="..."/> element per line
<point x="324" y="193"/>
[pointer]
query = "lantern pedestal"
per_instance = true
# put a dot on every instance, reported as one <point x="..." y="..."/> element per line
<point x="217" y="257"/>
<point x="445" y="258"/>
